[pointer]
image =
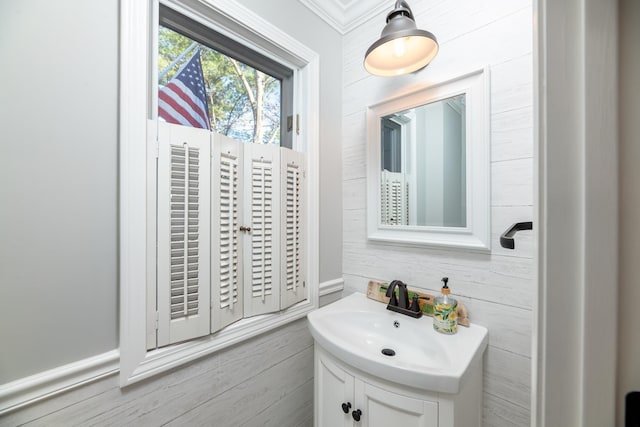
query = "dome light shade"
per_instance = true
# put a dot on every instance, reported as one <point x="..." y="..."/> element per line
<point x="402" y="48"/>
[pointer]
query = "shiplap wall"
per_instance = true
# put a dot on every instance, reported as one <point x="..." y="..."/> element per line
<point x="265" y="382"/>
<point x="498" y="288"/>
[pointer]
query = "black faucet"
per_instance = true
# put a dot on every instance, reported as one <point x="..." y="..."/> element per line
<point x="400" y="304"/>
<point x="391" y="292"/>
<point x="403" y="295"/>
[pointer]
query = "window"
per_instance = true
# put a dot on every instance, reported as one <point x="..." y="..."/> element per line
<point x="391" y="145"/>
<point x="229" y="199"/>
<point x="246" y="95"/>
<point x="190" y="158"/>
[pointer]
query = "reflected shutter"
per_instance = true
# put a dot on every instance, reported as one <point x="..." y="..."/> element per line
<point x="292" y="213"/>
<point x="226" y="206"/>
<point x="394" y="199"/>
<point x="262" y="243"/>
<point x="183" y="233"/>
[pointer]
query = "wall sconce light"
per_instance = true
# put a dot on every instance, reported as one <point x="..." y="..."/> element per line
<point x="402" y="48"/>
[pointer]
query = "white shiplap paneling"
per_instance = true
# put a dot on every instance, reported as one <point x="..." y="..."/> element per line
<point x="512" y="183"/>
<point x="196" y="391"/>
<point x="512" y="134"/>
<point x="502" y="279"/>
<point x="295" y="410"/>
<point x="500" y="412"/>
<point x="263" y="391"/>
<point x="497" y="287"/>
<point x="507" y="375"/>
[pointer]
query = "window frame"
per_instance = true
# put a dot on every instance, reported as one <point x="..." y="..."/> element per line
<point x="206" y="35"/>
<point x="138" y="78"/>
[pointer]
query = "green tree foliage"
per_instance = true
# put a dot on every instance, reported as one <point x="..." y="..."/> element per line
<point x="244" y="103"/>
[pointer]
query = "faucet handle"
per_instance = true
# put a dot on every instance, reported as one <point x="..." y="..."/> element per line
<point x="415" y="306"/>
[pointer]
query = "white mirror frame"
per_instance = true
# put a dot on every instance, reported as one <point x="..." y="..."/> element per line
<point x="477" y="234"/>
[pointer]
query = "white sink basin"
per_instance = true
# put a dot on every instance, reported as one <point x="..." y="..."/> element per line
<point x="356" y="330"/>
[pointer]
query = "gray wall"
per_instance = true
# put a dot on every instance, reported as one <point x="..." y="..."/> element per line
<point x="296" y="20"/>
<point x="629" y="158"/>
<point x="58" y="183"/>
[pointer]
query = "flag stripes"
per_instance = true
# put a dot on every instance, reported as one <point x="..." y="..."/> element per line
<point x="183" y="100"/>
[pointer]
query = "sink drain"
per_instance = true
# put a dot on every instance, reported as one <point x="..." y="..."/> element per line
<point x="388" y="352"/>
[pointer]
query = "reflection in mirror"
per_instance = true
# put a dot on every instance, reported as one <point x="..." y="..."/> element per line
<point x="423" y="165"/>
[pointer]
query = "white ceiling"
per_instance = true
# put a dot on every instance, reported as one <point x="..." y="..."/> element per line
<point x="345" y="15"/>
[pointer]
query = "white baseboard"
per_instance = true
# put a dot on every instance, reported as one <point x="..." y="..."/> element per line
<point x="40" y="386"/>
<point x="331" y="286"/>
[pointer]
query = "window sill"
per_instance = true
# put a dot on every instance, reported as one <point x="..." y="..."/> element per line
<point x="164" y="359"/>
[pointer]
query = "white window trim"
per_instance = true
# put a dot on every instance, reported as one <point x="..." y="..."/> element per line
<point x="136" y="68"/>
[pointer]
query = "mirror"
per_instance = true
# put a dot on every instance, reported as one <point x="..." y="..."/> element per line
<point x="423" y="171"/>
<point x="428" y="165"/>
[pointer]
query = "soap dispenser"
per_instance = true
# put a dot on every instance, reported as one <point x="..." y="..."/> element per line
<point x="445" y="316"/>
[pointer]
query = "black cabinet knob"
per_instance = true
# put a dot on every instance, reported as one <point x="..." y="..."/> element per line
<point x="346" y="407"/>
<point x="356" y="414"/>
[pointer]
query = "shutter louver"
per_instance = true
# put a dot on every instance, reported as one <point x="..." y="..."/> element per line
<point x="228" y="231"/>
<point x="183" y="233"/>
<point x="262" y="255"/>
<point x="394" y="199"/>
<point x="293" y="272"/>
<point x="227" y="306"/>
<point x="262" y="229"/>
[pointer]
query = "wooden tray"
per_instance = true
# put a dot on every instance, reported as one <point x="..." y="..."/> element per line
<point x="377" y="290"/>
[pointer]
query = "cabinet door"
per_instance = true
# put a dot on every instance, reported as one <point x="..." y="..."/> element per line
<point x="333" y="388"/>
<point x="382" y="408"/>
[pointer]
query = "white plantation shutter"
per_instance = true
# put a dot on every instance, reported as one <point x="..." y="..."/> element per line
<point x="183" y="233"/>
<point x="226" y="219"/>
<point x="262" y="243"/>
<point x="292" y="214"/>
<point x="394" y="199"/>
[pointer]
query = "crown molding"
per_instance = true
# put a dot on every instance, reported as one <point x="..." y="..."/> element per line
<point x="345" y="15"/>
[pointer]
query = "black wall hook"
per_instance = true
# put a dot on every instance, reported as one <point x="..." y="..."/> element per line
<point x="506" y="240"/>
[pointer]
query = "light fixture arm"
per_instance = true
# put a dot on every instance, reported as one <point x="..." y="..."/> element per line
<point x="401" y="8"/>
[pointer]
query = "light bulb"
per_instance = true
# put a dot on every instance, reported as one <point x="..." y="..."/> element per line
<point x="399" y="47"/>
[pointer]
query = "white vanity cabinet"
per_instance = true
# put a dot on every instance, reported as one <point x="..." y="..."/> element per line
<point x="340" y="387"/>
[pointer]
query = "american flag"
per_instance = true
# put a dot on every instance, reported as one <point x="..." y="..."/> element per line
<point x="183" y="100"/>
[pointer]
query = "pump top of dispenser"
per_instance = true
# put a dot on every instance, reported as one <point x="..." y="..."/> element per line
<point x="445" y="287"/>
